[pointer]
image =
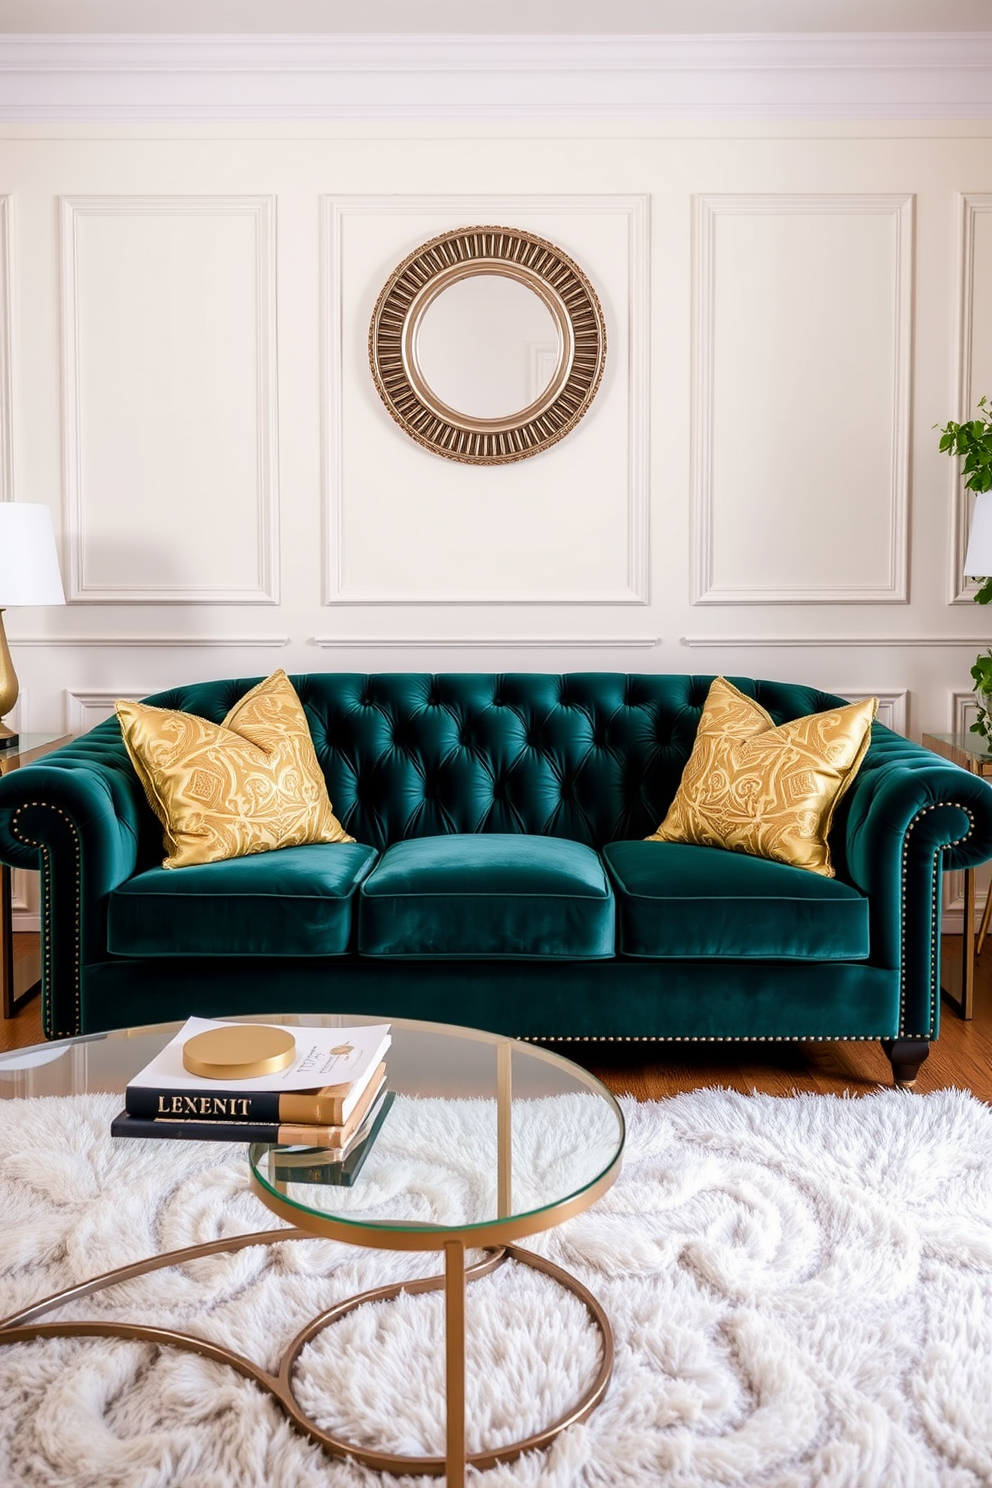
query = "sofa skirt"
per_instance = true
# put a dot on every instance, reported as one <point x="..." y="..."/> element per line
<point x="616" y="999"/>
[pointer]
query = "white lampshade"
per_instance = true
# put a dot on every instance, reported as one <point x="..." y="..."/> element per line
<point x="29" y="565"/>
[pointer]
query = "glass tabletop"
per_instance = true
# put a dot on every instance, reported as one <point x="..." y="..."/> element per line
<point x="975" y="744"/>
<point x="13" y="756"/>
<point x="481" y="1129"/>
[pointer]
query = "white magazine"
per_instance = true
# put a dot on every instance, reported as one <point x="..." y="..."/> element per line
<point x="324" y="1056"/>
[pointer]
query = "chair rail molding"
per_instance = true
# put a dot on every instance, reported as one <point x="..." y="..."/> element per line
<point x="871" y="642"/>
<point x="247" y="643"/>
<point x="407" y="642"/>
<point x="121" y="78"/>
<point x="634" y="210"/>
<point x="973" y="207"/>
<point x="708" y="210"/>
<point x="261" y="213"/>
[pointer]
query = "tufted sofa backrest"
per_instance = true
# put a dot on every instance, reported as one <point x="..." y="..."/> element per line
<point x="592" y="756"/>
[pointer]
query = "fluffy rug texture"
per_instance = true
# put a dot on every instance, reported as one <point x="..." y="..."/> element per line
<point x="801" y="1292"/>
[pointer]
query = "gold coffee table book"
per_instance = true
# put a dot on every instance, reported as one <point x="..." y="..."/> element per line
<point x="239" y="1052"/>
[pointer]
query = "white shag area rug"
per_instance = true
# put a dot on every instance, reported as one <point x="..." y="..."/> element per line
<point x="800" y="1289"/>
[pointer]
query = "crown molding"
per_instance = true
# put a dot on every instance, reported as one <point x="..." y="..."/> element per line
<point x="287" y="78"/>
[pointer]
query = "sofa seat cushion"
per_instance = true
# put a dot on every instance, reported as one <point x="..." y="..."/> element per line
<point x="683" y="902"/>
<point x="294" y="901"/>
<point x="487" y="895"/>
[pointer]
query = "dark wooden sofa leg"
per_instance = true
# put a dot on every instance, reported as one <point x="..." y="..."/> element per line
<point x="905" y="1057"/>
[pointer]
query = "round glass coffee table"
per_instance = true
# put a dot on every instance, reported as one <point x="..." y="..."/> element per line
<point x="486" y="1140"/>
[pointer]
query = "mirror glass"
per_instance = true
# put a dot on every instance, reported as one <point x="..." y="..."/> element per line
<point x="487" y="346"/>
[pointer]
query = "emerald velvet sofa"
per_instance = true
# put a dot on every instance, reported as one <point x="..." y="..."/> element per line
<point x="499" y="876"/>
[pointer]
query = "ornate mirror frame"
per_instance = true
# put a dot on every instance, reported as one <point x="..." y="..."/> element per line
<point x="462" y="254"/>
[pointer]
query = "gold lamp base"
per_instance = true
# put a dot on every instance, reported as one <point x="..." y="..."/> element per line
<point x="8" y="692"/>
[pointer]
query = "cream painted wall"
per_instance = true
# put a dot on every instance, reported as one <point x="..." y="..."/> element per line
<point x="755" y="490"/>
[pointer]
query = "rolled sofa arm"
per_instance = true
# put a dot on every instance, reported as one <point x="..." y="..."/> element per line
<point x="75" y="816"/>
<point x="910" y="815"/>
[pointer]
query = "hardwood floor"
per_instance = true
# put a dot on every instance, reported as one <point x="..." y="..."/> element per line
<point x="962" y="1055"/>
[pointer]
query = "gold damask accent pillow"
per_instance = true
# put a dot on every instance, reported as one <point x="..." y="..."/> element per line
<point x="770" y="790"/>
<point x="247" y="785"/>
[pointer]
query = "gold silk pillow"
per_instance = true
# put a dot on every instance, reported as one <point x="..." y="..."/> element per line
<point x="756" y="787"/>
<point x="223" y="790"/>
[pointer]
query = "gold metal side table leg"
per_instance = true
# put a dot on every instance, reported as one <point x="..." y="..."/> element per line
<point x="983" y="928"/>
<point x="965" y="1004"/>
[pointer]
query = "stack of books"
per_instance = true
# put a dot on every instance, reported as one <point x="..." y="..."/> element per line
<point x="328" y="1103"/>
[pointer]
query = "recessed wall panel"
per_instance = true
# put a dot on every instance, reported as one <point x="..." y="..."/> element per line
<point x="975" y="379"/>
<point x="6" y="418"/>
<point x="403" y="525"/>
<point x="801" y="409"/>
<point x="980" y="306"/>
<point x="169" y="381"/>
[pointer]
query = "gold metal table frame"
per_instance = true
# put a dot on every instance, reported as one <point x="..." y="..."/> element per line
<point x="494" y="1238"/>
<point x="24" y="1327"/>
<point x="972" y="753"/>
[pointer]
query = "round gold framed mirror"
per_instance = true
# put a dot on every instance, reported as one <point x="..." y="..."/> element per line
<point x="487" y="344"/>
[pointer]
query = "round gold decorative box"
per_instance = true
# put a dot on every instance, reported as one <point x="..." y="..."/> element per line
<point x="239" y="1052"/>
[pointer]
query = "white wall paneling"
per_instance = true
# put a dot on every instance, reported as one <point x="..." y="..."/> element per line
<point x="281" y="77"/>
<point x="153" y="427"/>
<point x="25" y="900"/>
<point x="169" y="398"/>
<point x="6" y="332"/>
<point x="974" y="363"/>
<point x="892" y="703"/>
<point x="802" y="321"/>
<point x="86" y="707"/>
<point x="403" y="526"/>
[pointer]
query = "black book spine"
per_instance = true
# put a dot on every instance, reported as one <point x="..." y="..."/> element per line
<point x="220" y="1105"/>
<point x="127" y="1125"/>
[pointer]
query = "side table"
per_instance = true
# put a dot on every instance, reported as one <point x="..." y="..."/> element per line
<point x="971" y="752"/>
<point x="21" y="983"/>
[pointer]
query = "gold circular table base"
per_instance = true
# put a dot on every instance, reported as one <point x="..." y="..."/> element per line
<point x="21" y="1327"/>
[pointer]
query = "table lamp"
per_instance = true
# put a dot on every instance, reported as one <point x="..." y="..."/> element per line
<point x="29" y="575"/>
<point x="978" y="559"/>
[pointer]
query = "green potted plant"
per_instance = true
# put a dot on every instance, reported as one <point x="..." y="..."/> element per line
<point x="972" y="440"/>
